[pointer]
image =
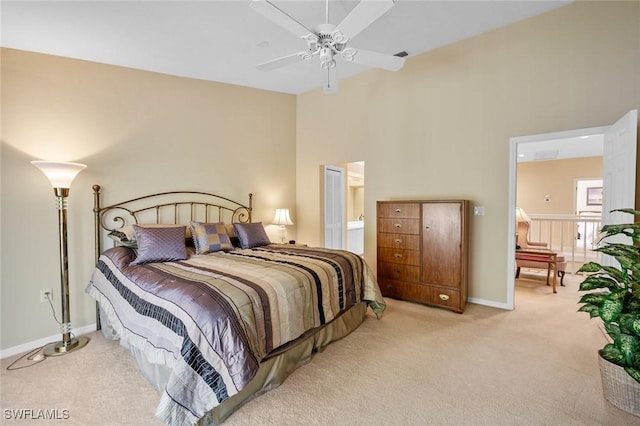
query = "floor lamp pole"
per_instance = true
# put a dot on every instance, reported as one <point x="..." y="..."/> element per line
<point x="61" y="175"/>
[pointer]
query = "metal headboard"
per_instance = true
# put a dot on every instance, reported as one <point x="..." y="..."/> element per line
<point x="173" y="207"/>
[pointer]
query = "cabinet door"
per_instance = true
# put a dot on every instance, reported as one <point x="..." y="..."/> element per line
<point x="442" y="243"/>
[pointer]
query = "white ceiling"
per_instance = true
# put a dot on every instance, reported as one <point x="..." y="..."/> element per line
<point x="223" y="41"/>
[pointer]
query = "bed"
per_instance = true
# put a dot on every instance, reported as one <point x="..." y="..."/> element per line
<point x="216" y="323"/>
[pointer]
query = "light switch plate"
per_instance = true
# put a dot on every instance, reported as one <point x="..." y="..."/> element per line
<point x="478" y="211"/>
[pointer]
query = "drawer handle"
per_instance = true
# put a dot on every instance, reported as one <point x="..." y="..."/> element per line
<point x="398" y="271"/>
<point x="397" y="241"/>
<point x="397" y="225"/>
<point x="398" y="255"/>
<point x="444" y="297"/>
<point x="398" y="210"/>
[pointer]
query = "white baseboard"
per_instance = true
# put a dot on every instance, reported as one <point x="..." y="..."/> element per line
<point x="490" y="303"/>
<point x="26" y="347"/>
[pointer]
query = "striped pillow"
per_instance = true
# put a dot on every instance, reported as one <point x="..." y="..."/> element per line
<point x="210" y="237"/>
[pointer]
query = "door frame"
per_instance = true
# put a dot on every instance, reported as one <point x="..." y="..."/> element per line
<point x="514" y="142"/>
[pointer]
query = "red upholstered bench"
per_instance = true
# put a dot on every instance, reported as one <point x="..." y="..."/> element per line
<point x="528" y="260"/>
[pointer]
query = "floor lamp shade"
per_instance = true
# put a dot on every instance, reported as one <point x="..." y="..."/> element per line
<point x="61" y="174"/>
<point x="282" y="219"/>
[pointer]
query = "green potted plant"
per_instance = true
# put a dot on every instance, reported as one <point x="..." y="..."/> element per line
<point x="616" y="301"/>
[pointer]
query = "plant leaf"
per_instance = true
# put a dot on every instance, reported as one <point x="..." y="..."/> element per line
<point x="629" y="229"/>
<point x="633" y="372"/>
<point x="593" y="282"/>
<point x="610" y="310"/>
<point x="631" y="323"/>
<point x="615" y="273"/>
<point x="628" y="346"/>
<point x="590" y="267"/>
<point x="594" y="298"/>
<point x="593" y="310"/>
<point x="620" y="251"/>
<point x="630" y="211"/>
<point x="612" y="329"/>
<point x="612" y="354"/>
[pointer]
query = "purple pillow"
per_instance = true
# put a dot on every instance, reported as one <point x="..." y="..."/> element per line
<point x="160" y="244"/>
<point x="251" y="234"/>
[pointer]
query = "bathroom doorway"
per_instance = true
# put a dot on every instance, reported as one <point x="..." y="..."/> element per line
<point x="344" y="206"/>
<point x="355" y="207"/>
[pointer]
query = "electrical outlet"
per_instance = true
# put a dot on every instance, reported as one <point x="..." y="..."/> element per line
<point x="44" y="293"/>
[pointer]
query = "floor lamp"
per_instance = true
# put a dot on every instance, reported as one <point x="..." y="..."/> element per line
<point x="61" y="175"/>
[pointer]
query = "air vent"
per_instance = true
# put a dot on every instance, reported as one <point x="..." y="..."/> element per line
<point x="401" y="54"/>
<point x="546" y="155"/>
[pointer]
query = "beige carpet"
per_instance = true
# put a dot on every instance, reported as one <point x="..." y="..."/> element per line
<point x="535" y="365"/>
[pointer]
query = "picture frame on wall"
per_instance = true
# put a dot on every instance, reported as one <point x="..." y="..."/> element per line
<point x="594" y="196"/>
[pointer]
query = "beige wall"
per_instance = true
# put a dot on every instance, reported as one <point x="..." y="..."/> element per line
<point x="555" y="178"/>
<point x="138" y="133"/>
<point x="440" y="127"/>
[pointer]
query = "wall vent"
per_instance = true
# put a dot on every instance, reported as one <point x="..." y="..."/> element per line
<point x="546" y="155"/>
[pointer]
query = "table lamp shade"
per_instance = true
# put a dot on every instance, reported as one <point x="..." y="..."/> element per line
<point x="282" y="217"/>
<point x="521" y="215"/>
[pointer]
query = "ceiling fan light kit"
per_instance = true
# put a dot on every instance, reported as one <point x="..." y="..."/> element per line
<point x="328" y="41"/>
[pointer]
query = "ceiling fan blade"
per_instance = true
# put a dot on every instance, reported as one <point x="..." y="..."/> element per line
<point x="363" y="15"/>
<point x="331" y="85"/>
<point x="276" y="15"/>
<point x="377" y="60"/>
<point x="280" y="62"/>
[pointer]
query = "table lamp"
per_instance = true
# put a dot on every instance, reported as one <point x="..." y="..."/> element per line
<point x="283" y="219"/>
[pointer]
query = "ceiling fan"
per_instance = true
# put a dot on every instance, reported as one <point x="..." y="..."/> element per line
<point x="328" y="41"/>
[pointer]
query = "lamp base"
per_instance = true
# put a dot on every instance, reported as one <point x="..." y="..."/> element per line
<point x="59" y="348"/>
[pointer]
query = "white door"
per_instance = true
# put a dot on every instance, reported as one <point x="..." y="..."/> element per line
<point x="619" y="174"/>
<point x="334" y="207"/>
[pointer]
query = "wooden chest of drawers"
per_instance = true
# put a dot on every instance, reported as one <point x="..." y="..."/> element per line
<point x="422" y="251"/>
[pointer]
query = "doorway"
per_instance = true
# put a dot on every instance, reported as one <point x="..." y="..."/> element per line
<point x="344" y="206"/>
<point x="355" y="207"/>
<point x="620" y="140"/>
<point x="588" y="203"/>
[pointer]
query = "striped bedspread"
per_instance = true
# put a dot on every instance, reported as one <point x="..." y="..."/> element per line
<point x="212" y="318"/>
